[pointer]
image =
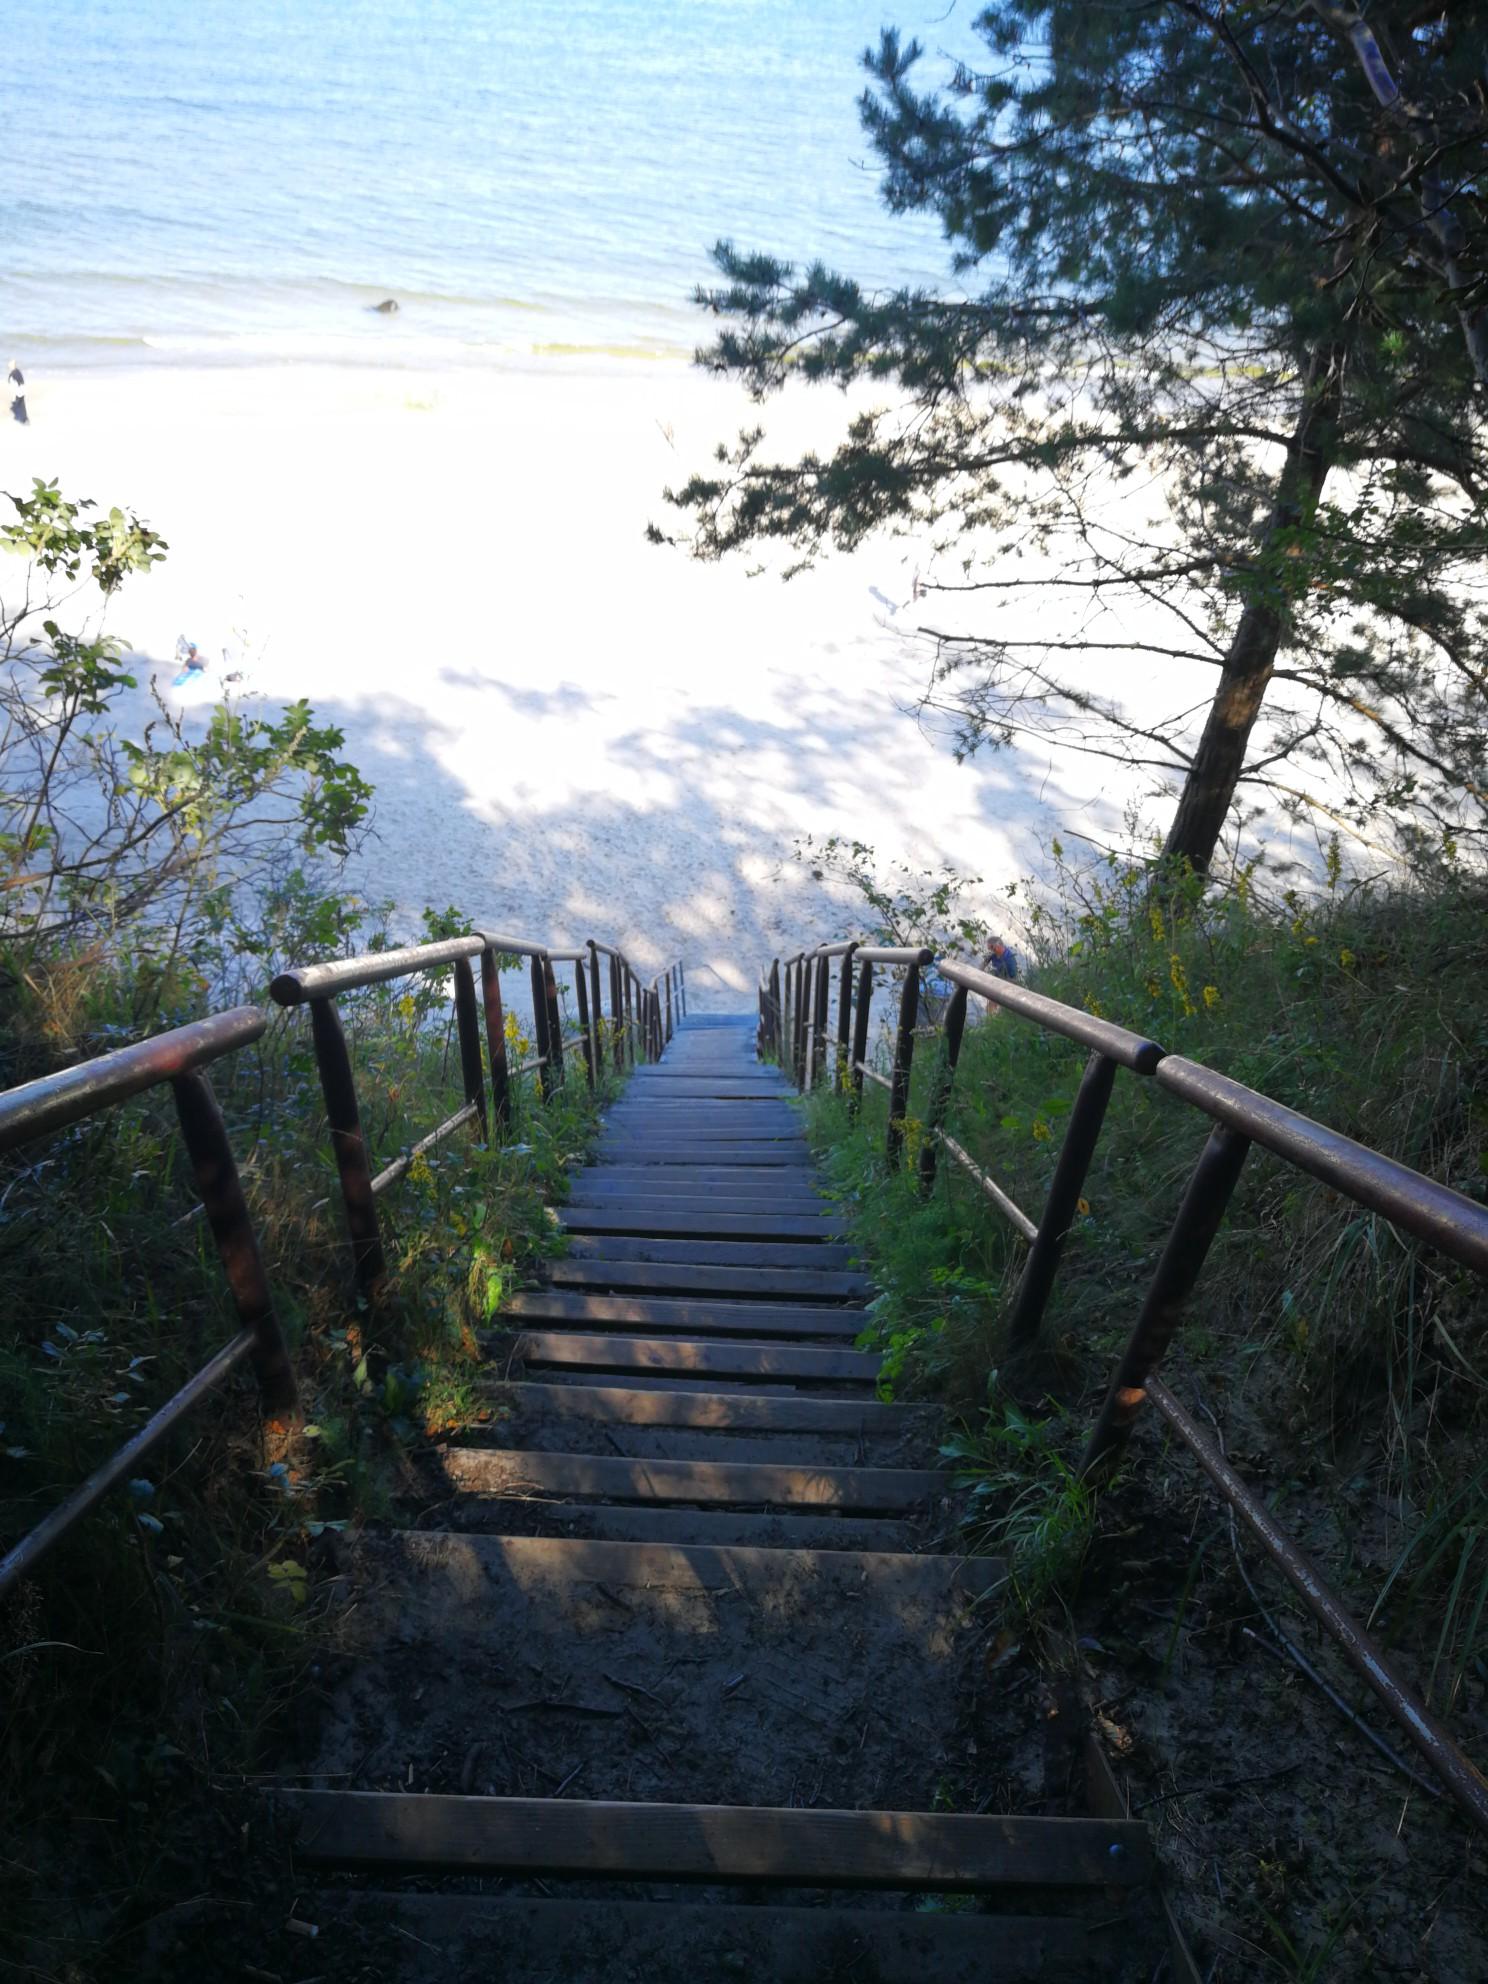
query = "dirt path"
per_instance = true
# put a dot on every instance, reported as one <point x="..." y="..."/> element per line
<point x="680" y="1686"/>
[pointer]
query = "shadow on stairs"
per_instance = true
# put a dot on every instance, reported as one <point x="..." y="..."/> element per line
<point x="682" y="1687"/>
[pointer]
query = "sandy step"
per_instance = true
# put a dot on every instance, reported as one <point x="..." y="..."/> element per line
<point x="456" y="1939"/>
<point x="681" y="1357"/>
<point x="722" y="1673"/>
<point x="751" y="1319"/>
<point x="634" y="1522"/>
<point x="784" y="1845"/>
<point x="688" y="1278"/>
<point x="736" y="1484"/>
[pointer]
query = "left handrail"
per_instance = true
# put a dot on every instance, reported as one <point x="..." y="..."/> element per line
<point x="179" y="1057"/>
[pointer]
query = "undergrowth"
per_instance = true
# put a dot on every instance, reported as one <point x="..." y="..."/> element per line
<point x="1352" y="1363"/>
<point x="157" y="1653"/>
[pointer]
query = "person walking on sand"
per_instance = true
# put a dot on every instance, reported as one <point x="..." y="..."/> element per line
<point x="16" y="380"/>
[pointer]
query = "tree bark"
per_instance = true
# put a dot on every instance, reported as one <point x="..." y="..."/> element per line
<point x="1209" y="789"/>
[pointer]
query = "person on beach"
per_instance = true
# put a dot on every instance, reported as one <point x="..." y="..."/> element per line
<point x="16" y="380"/>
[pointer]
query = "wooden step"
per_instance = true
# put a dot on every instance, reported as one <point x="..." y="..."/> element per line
<point x="781" y="1845"/>
<point x="637" y="1522"/>
<point x="806" y="1219"/>
<point x="774" y="1155"/>
<point x="680" y="1357"/>
<point x="596" y="1191"/>
<point x="762" y="1412"/>
<point x="685" y="1278"/>
<point x="474" y="1939"/>
<point x="650" y="1224"/>
<point x="741" y="1484"/>
<point x="752" y="1319"/>
<point x="809" y="1254"/>
<point x="658" y="1176"/>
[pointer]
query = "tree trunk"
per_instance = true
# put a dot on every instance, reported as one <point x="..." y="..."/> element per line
<point x="1209" y="789"/>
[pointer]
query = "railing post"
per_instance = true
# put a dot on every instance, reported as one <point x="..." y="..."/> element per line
<point x="596" y="1013"/>
<point x="338" y="1086"/>
<point x="669" y="1004"/>
<point x="496" y="1039"/>
<point x="909" y="1007"/>
<point x="803" y="1019"/>
<point x="808" y="1038"/>
<point x="555" y="1017"/>
<point x="205" y="1136"/>
<point x="628" y="978"/>
<point x="540" y="1029"/>
<point x="844" y="1017"/>
<point x="1039" y="1270"/>
<point x="861" y="1013"/>
<point x="581" y="993"/>
<point x="617" y="1011"/>
<point x="467" y="1026"/>
<point x="821" y="1053"/>
<point x="1208" y="1193"/>
<point x="940" y="1096"/>
<point x="682" y="986"/>
<point x="773" y="1032"/>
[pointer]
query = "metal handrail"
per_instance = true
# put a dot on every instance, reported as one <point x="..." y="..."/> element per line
<point x="793" y="1013"/>
<point x="179" y="1057"/>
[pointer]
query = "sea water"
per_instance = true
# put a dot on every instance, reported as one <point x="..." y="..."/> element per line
<point x="241" y="180"/>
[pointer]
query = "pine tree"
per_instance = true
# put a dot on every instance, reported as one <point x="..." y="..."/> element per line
<point x="1242" y="251"/>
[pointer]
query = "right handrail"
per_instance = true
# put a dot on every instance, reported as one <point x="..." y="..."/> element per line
<point x="793" y="1024"/>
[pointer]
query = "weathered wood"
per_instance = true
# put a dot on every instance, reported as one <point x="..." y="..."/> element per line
<point x="812" y="1253"/>
<point x="676" y="1357"/>
<point x="827" y="1284"/>
<point x="520" y="1940"/>
<point x="638" y="1522"/>
<point x="744" y="1484"/>
<point x="642" y="1221"/>
<point x="702" y="1318"/>
<point x="663" y="1175"/>
<point x="713" y="1842"/>
<point x="763" y="1412"/>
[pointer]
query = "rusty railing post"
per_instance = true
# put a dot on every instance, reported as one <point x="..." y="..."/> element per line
<point x="555" y="1017"/>
<point x="940" y="1094"/>
<point x="338" y="1086"/>
<point x="467" y="1026"/>
<point x="617" y="1011"/>
<point x="861" y="1012"/>
<point x="844" y="1018"/>
<point x="1208" y="1193"/>
<point x="581" y="994"/>
<point x="496" y="1039"/>
<point x="1080" y="1138"/>
<point x="540" y="1029"/>
<point x="909" y="1007"/>
<point x="596" y="1013"/>
<point x="205" y="1136"/>
<point x="822" y="1054"/>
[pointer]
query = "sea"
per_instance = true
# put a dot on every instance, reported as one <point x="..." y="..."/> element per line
<point x="243" y="181"/>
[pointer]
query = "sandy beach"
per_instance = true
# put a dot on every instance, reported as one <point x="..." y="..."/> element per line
<point x="572" y="733"/>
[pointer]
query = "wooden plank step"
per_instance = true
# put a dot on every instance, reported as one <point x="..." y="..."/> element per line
<point x="649" y="1223"/>
<point x="762" y="1412"/>
<point x="719" y="1156"/>
<point x="637" y="1522"/>
<point x="459" y="1938"/>
<point x="685" y="1278"/>
<point x="679" y="1357"/>
<point x="663" y="1173"/>
<point x="756" y="1319"/>
<point x="780" y="1845"/>
<point x="738" y="1484"/>
<point x="820" y="1214"/>
<point x="812" y="1253"/>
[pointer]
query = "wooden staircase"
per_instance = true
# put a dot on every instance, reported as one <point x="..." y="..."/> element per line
<point x="680" y="1638"/>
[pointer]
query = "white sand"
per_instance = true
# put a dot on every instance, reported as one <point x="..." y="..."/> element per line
<point x="571" y="733"/>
